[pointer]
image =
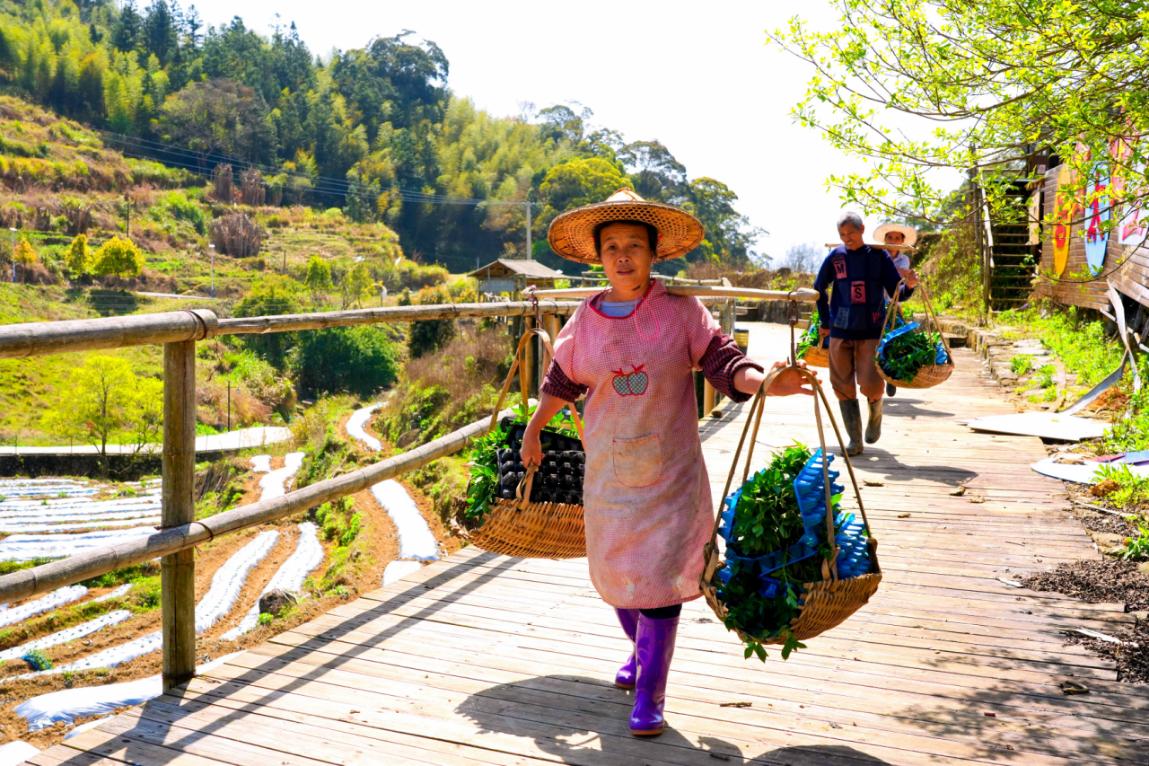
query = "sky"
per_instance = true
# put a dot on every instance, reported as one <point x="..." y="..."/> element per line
<point x="696" y="76"/>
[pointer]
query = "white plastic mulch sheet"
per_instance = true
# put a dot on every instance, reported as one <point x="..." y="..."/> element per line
<point x="49" y="487"/>
<point x="229" y="579"/>
<point x="114" y="593"/>
<point x="218" y="601"/>
<point x="28" y="547"/>
<point x="56" y="598"/>
<point x="68" y="705"/>
<point x="415" y="538"/>
<point x="16" y="752"/>
<point x="398" y="569"/>
<point x="355" y="425"/>
<point x="274" y="484"/>
<point x="416" y="541"/>
<point x="289" y="577"/>
<point x="68" y="634"/>
<point x="56" y="505"/>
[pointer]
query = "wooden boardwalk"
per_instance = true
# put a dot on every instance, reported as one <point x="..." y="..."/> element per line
<point x="481" y="659"/>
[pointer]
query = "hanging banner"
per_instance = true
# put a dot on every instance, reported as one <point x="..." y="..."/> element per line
<point x="1096" y="222"/>
<point x="1064" y="208"/>
<point x="1133" y="228"/>
<point x="1128" y="185"/>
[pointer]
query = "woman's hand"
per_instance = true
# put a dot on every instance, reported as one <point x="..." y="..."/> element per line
<point x="532" y="449"/>
<point x="790" y="381"/>
<point x="822" y="333"/>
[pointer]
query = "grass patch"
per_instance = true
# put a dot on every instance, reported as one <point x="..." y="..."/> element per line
<point x="1079" y="342"/>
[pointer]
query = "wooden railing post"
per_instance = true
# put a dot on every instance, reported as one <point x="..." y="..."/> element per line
<point x="177" y="570"/>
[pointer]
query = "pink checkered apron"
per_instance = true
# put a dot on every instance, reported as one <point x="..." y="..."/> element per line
<point x="646" y="494"/>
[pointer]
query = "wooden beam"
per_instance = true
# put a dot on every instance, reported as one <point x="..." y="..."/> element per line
<point x="28" y="582"/>
<point x="177" y="570"/>
<point x="38" y="338"/>
<point x="326" y="319"/>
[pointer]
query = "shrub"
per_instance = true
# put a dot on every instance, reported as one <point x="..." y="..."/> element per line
<point x="178" y="206"/>
<point x="433" y="334"/>
<point x="359" y="360"/>
<point x="119" y="257"/>
<point x="25" y="256"/>
<point x="272" y="295"/>
<point x="237" y="235"/>
<point x="78" y="260"/>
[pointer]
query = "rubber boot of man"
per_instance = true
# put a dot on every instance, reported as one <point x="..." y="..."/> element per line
<point x="874" y="422"/>
<point x="852" y="420"/>
<point x="628" y="619"/>
<point x="655" y="648"/>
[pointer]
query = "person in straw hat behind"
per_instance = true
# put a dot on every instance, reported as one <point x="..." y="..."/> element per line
<point x="631" y="351"/>
<point x="903" y="238"/>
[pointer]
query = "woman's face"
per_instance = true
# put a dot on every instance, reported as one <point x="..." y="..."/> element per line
<point x="626" y="258"/>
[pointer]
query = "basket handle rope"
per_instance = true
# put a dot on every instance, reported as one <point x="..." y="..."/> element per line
<point x="931" y="317"/>
<point x="523" y="491"/>
<point x="829" y="565"/>
<point x="519" y="365"/>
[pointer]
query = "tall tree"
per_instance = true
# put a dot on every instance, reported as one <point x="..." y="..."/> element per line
<point x="160" y="31"/>
<point x="919" y="85"/>
<point x="657" y="175"/>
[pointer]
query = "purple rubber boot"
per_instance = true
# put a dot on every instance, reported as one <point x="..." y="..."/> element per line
<point x="624" y="678"/>
<point x="654" y="647"/>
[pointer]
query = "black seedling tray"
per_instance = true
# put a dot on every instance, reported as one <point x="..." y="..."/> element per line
<point x="559" y="478"/>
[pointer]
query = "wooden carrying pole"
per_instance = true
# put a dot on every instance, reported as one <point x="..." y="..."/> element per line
<point x="801" y="294"/>
<point x="177" y="570"/>
<point x="97" y="561"/>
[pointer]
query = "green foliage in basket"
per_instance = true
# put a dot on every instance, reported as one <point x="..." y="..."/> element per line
<point x="767" y="519"/>
<point x="904" y="355"/>
<point x="483" y="487"/>
<point x="809" y="339"/>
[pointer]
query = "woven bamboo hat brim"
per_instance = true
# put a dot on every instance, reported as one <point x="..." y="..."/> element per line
<point x="910" y="233"/>
<point x="571" y="234"/>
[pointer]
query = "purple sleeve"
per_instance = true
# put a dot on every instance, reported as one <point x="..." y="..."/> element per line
<point x="556" y="383"/>
<point x="721" y="361"/>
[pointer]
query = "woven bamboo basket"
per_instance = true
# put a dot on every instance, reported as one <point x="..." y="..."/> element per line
<point x="831" y="600"/>
<point x="817" y="356"/>
<point x="532" y="530"/>
<point x="928" y="375"/>
<point x="520" y="527"/>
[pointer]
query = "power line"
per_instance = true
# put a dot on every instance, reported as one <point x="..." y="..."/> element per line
<point x="191" y="160"/>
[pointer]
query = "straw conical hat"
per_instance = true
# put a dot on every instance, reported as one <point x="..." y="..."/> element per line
<point x="910" y="233"/>
<point x="571" y="234"/>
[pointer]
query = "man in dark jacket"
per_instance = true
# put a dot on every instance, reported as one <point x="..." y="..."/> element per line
<point x="856" y="276"/>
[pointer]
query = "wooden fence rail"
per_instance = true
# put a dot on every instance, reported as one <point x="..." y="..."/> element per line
<point x="179" y="331"/>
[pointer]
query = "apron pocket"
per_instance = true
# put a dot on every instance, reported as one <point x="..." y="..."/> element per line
<point x="638" y="461"/>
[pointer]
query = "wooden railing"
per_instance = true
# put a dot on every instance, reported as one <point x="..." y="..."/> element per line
<point x="180" y="532"/>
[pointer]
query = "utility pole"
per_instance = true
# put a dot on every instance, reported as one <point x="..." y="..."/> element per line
<point x="528" y="203"/>
<point x="212" y="249"/>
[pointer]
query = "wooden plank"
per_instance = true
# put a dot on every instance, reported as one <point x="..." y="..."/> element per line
<point x="483" y="659"/>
